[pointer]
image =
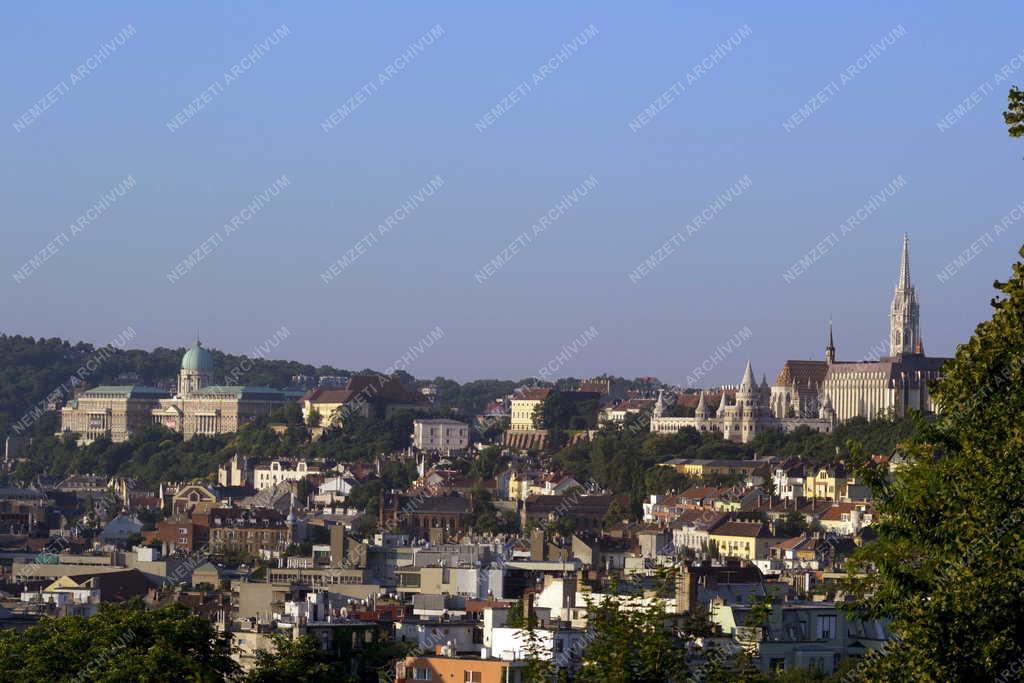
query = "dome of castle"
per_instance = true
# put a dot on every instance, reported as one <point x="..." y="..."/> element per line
<point x="198" y="359"/>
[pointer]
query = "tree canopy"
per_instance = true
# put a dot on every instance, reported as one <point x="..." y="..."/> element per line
<point x="948" y="565"/>
<point x="124" y="642"/>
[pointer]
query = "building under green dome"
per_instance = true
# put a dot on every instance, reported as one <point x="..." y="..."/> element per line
<point x="197" y="359"/>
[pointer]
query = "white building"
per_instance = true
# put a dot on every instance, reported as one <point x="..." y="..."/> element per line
<point x="269" y="476"/>
<point x="742" y="420"/>
<point x="891" y="385"/>
<point x="440" y="435"/>
<point x="818" y="394"/>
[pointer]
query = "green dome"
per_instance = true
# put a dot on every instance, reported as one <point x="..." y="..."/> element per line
<point x="197" y="358"/>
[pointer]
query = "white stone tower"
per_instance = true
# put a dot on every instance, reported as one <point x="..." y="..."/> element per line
<point x="904" y="317"/>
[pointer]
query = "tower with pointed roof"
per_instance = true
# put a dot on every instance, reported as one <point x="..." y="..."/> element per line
<point x="904" y="315"/>
<point x="830" y="346"/>
<point x="702" y="411"/>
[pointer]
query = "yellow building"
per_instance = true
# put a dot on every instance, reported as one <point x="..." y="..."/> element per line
<point x="703" y="467"/>
<point x="519" y="483"/>
<point x="523" y="406"/>
<point x="745" y="540"/>
<point x="828" y="483"/>
<point x="362" y="395"/>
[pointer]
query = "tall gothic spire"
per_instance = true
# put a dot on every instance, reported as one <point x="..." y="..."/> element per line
<point x="830" y="346"/>
<point x="904" y="315"/>
<point x="904" y="282"/>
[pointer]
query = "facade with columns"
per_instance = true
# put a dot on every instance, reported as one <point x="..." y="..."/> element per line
<point x="198" y="407"/>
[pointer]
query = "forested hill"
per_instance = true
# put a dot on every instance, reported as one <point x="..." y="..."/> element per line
<point x="31" y="370"/>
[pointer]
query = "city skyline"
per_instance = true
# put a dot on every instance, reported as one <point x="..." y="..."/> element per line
<point x="606" y="174"/>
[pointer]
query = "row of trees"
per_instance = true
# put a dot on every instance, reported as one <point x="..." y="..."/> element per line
<point x="127" y="642"/>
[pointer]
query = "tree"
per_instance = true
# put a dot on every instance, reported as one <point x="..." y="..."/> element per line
<point x="1014" y="114"/>
<point x="123" y="642"/>
<point x="793" y="524"/>
<point x="300" y="660"/>
<point x="632" y="642"/>
<point x="314" y="418"/>
<point x="949" y="559"/>
<point x="539" y="666"/>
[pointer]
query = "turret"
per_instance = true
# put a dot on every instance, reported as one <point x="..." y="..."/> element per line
<point x="826" y="412"/>
<point x="748" y="385"/>
<point x="830" y="347"/>
<point x="722" y="404"/>
<point x="702" y="409"/>
<point x="659" y="405"/>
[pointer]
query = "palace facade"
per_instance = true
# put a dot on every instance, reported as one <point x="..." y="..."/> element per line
<point x="198" y="406"/>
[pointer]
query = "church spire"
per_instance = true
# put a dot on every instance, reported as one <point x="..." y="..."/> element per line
<point x="904" y="282"/>
<point x="830" y="346"/>
<point x="904" y="315"/>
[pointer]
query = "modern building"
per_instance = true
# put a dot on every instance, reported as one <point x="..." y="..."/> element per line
<point x="440" y="435"/>
<point x="800" y="635"/>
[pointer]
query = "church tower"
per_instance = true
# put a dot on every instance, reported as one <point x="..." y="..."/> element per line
<point x="830" y="347"/>
<point x="904" y="317"/>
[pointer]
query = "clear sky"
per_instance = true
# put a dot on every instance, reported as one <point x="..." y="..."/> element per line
<point x="875" y="81"/>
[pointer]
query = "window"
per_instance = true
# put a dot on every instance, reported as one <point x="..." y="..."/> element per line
<point x="826" y="627"/>
<point x="472" y="676"/>
<point x="421" y="674"/>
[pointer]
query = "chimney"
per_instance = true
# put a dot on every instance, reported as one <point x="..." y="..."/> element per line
<point x="686" y="591"/>
<point x="337" y="545"/>
<point x="537" y="545"/>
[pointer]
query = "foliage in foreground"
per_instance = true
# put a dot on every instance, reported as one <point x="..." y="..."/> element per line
<point x="949" y="560"/>
<point x="122" y="643"/>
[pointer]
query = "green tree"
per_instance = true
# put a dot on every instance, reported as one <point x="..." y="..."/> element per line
<point x="633" y="642"/>
<point x="1014" y="114"/>
<point x="949" y="559"/>
<point x="314" y="419"/>
<point x="539" y="666"/>
<point x="300" y="660"/>
<point x="123" y="642"/>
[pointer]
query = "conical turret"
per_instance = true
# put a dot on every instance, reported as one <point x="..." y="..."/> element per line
<point x="748" y="384"/>
<point x="702" y="408"/>
<point x="722" y="404"/>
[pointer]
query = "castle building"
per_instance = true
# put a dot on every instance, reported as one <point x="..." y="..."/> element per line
<point x="891" y="385"/>
<point x="819" y="394"/>
<point x="198" y="407"/>
<point x="744" y="418"/>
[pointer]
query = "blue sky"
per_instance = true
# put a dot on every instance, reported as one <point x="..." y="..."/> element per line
<point x="418" y="122"/>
